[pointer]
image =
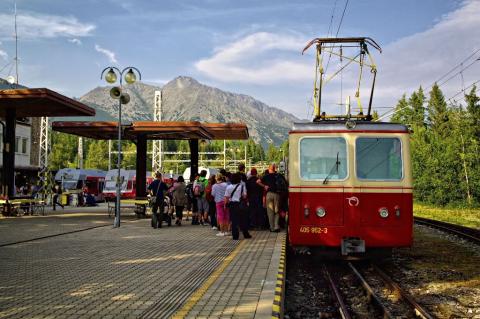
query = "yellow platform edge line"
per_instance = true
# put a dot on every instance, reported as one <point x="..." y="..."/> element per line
<point x="198" y="294"/>
<point x="280" y="282"/>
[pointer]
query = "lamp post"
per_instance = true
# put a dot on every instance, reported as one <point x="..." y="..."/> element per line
<point x="123" y="98"/>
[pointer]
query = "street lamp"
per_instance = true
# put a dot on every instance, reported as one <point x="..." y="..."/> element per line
<point x="123" y="98"/>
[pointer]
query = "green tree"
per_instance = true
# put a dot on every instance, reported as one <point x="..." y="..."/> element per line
<point x="64" y="151"/>
<point x="97" y="155"/>
<point x="437" y="111"/>
<point x="403" y="112"/>
<point x="416" y="102"/>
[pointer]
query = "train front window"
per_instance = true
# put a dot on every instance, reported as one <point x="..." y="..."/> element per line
<point x="323" y="158"/>
<point x="379" y="158"/>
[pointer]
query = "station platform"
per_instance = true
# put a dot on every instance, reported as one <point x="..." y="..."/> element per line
<point x="74" y="264"/>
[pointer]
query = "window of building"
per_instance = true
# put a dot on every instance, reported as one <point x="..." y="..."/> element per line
<point x="379" y="158"/>
<point x="17" y="143"/>
<point x="323" y="158"/>
<point x="24" y="145"/>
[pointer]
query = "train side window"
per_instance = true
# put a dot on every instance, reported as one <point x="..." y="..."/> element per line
<point x="323" y="158"/>
<point x="379" y="158"/>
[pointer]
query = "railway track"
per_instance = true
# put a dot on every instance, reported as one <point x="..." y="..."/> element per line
<point x="357" y="291"/>
<point x="470" y="234"/>
<point x="386" y="295"/>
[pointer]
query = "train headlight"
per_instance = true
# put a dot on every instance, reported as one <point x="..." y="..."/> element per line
<point x="383" y="212"/>
<point x="321" y="212"/>
<point x="306" y="210"/>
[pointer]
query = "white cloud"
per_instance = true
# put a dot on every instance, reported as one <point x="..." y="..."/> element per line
<point x="3" y="54"/>
<point x="422" y="58"/>
<point x="75" y="41"/>
<point x="35" y="25"/>
<point x="254" y="59"/>
<point x="109" y="54"/>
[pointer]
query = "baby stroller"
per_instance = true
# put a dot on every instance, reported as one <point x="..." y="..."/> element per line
<point x="167" y="213"/>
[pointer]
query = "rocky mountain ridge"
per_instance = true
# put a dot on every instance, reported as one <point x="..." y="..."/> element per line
<point x="184" y="98"/>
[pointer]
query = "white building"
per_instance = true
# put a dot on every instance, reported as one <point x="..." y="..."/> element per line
<point x="26" y="145"/>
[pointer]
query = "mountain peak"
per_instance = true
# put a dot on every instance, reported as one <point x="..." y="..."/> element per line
<point x="186" y="99"/>
<point x="183" y="81"/>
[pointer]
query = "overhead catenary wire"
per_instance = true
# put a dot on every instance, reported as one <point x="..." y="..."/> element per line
<point x="455" y="67"/>
<point x="462" y="91"/>
<point x="338" y="30"/>
<point x="393" y="110"/>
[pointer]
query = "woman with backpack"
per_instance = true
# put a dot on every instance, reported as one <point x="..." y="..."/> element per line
<point x="218" y="193"/>
<point x="179" y="199"/>
<point x="212" y="211"/>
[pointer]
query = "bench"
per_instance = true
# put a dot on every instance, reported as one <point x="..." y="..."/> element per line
<point x="139" y="206"/>
<point x="13" y="207"/>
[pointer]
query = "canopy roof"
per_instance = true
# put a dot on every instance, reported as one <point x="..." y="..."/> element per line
<point x="41" y="102"/>
<point x="155" y="130"/>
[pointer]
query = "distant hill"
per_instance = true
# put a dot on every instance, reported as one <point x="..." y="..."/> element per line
<point x="185" y="99"/>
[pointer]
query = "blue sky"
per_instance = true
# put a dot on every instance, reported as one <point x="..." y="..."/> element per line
<point x="249" y="47"/>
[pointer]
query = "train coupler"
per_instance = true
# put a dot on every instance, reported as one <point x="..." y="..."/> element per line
<point x="352" y="245"/>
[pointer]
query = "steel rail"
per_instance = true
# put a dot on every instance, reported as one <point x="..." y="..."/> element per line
<point x="461" y="231"/>
<point x="374" y="299"/>
<point x="342" y="307"/>
<point x="419" y="310"/>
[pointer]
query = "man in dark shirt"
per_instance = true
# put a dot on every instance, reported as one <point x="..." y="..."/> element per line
<point x="268" y="182"/>
<point x="241" y="171"/>
<point x="255" y="197"/>
<point x="157" y="189"/>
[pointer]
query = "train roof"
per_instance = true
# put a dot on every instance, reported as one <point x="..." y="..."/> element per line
<point x="341" y="125"/>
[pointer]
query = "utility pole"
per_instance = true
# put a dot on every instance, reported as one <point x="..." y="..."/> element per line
<point x="157" y="144"/>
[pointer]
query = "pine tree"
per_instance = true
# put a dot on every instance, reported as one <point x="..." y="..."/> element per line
<point x="473" y="108"/>
<point x="403" y="112"/>
<point x="417" y="109"/>
<point x="437" y="111"/>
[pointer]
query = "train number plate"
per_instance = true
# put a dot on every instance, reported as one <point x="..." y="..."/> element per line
<point x="313" y="230"/>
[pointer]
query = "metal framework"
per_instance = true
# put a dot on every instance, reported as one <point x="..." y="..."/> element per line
<point x="44" y="143"/>
<point x="157" y="144"/>
<point x="328" y="46"/>
<point x="44" y="174"/>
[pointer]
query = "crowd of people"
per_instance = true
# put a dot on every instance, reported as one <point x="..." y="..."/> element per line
<point x="228" y="202"/>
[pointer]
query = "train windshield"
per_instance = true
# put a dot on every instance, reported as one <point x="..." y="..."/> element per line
<point x="322" y="158"/>
<point x="379" y="158"/>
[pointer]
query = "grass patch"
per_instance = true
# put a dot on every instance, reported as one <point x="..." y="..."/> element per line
<point x="469" y="217"/>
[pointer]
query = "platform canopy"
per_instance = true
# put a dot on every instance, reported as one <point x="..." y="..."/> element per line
<point x="24" y="102"/>
<point x="155" y="130"/>
<point x="41" y="102"/>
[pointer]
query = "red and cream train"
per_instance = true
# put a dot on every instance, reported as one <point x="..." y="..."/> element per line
<point x="350" y="185"/>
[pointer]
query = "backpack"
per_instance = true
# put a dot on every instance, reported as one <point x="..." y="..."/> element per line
<point x="280" y="184"/>
<point x="198" y="188"/>
<point x="189" y="191"/>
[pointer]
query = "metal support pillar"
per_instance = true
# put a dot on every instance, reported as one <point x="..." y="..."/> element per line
<point x="9" y="154"/>
<point x="193" y="158"/>
<point x="157" y="144"/>
<point x="109" y="154"/>
<point x="141" y="170"/>
<point x="80" y="152"/>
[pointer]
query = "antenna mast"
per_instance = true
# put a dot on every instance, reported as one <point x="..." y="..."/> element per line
<point x="16" y="44"/>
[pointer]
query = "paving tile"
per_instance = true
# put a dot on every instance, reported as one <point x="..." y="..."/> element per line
<point x="130" y="272"/>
